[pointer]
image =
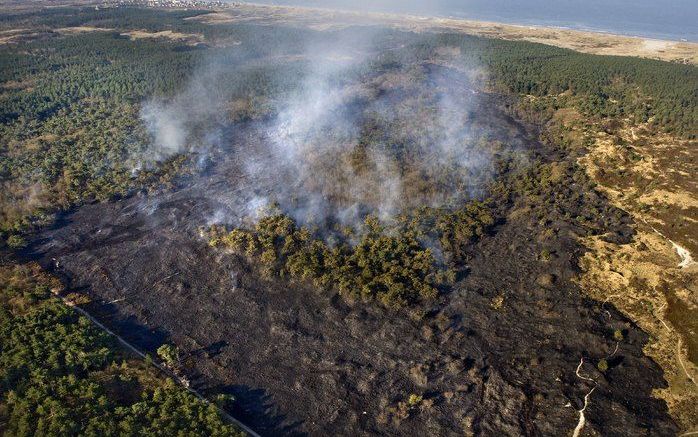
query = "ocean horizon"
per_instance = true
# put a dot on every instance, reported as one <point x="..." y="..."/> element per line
<point x="670" y="20"/>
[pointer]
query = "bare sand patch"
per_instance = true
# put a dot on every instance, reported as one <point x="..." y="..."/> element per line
<point x="81" y="29"/>
<point x="677" y="198"/>
<point x="656" y="45"/>
<point x="167" y="34"/>
<point x="21" y="35"/>
<point x="10" y="32"/>
<point x="12" y="36"/>
<point x="13" y="85"/>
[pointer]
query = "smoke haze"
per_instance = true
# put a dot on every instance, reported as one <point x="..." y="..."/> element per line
<point x="359" y="134"/>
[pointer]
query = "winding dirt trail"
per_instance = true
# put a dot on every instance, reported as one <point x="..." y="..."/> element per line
<point x="682" y="252"/>
<point x="582" y="417"/>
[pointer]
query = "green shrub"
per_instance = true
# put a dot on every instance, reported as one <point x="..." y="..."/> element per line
<point x="168" y="354"/>
<point x="602" y="365"/>
<point x="393" y="269"/>
<point x="414" y="400"/>
<point x="463" y="226"/>
<point x="16" y="242"/>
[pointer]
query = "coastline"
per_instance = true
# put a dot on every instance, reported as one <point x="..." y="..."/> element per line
<point x="597" y="42"/>
<point x="639" y="26"/>
<point x="586" y="41"/>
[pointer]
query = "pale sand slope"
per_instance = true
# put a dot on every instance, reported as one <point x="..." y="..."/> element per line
<point x="587" y="42"/>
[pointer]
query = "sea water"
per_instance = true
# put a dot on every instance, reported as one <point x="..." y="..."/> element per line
<point x="661" y="19"/>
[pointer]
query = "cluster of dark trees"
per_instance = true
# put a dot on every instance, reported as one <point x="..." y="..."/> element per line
<point x="392" y="267"/>
<point x="60" y="375"/>
<point x="458" y="229"/>
<point x="643" y="90"/>
<point x="69" y="105"/>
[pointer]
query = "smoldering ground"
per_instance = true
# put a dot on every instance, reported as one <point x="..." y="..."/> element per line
<point x="301" y="360"/>
<point x="366" y="128"/>
<point x="369" y="128"/>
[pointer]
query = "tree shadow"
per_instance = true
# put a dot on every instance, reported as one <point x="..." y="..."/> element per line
<point x="255" y="408"/>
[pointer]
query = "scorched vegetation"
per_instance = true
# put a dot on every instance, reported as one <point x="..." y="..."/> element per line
<point x="427" y="171"/>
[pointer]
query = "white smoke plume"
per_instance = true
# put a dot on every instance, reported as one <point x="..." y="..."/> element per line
<point x="166" y="125"/>
<point x="175" y="124"/>
<point x="303" y="162"/>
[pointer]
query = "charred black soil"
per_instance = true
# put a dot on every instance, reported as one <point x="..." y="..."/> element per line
<point x="499" y="354"/>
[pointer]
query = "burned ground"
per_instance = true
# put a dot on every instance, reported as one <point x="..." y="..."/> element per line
<point x="513" y="347"/>
<point x="496" y="355"/>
